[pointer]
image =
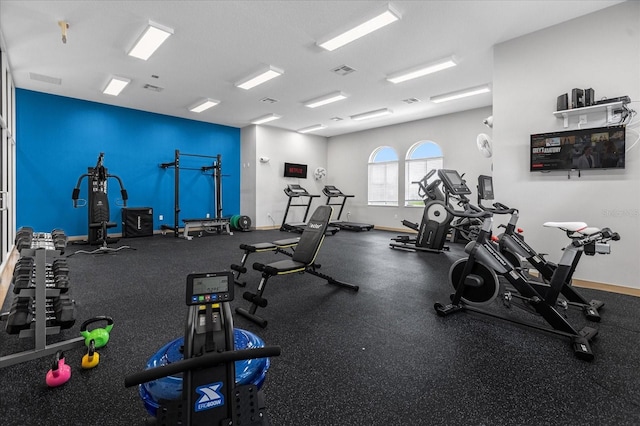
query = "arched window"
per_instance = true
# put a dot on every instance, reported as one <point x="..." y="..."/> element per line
<point x="422" y="157"/>
<point x="383" y="177"/>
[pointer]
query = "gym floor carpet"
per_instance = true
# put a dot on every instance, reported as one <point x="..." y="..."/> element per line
<point x="377" y="357"/>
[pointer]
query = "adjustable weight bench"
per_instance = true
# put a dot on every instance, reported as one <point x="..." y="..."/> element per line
<point x="206" y="224"/>
<point x="279" y="246"/>
<point x="303" y="260"/>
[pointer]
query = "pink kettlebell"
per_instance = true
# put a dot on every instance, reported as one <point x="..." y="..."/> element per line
<point x="60" y="372"/>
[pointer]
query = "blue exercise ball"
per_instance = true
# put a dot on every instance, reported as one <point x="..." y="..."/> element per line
<point x="249" y="371"/>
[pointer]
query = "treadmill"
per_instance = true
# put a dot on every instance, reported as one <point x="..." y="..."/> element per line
<point x="334" y="193"/>
<point x="297" y="192"/>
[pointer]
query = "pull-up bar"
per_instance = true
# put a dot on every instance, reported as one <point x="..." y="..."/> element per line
<point x="216" y="222"/>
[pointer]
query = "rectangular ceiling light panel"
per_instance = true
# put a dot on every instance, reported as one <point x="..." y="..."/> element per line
<point x="372" y="114"/>
<point x="422" y="70"/>
<point x="266" y="118"/>
<point x="326" y="99"/>
<point x="265" y="74"/>
<point x="149" y="41"/>
<point x="204" y="105"/>
<point x="115" y="86"/>
<point x="379" y="20"/>
<point x="472" y="91"/>
<point x="312" y="128"/>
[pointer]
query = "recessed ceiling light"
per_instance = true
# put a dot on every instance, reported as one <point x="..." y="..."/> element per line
<point x="422" y="70"/>
<point x="372" y="114"/>
<point x="369" y="24"/>
<point x="115" y="86"/>
<point x="264" y="74"/>
<point x="312" y="128"/>
<point x="326" y="99"/>
<point x="266" y="118"/>
<point x="472" y="91"/>
<point x="203" y="105"/>
<point x="150" y="39"/>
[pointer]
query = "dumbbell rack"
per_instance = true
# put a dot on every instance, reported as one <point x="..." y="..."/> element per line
<point x="39" y="329"/>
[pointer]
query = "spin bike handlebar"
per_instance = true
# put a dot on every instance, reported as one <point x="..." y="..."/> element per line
<point x="499" y="208"/>
<point x="605" y="234"/>
<point x="206" y="360"/>
<point x="471" y="212"/>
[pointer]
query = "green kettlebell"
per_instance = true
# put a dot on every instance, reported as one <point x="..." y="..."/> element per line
<point x="100" y="336"/>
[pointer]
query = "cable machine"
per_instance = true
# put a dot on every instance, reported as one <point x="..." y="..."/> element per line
<point x="98" y="206"/>
<point x="217" y="223"/>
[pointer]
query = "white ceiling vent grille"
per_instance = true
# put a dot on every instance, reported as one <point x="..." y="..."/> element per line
<point x="343" y="70"/>
<point x="268" y="100"/>
<point x="411" y="100"/>
<point x="153" y="88"/>
<point x="336" y="119"/>
<point x="45" y="78"/>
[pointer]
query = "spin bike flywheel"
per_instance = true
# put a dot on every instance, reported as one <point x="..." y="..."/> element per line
<point x="482" y="294"/>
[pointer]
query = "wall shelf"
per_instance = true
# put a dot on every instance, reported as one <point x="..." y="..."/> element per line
<point x="608" y="108"/>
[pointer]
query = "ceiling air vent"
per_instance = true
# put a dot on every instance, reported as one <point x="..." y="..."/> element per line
<point x="153" y="88"/>
<point x="343" y="70"/>
<point x="268" y="100"/>
<point x="336" y="119"/>
<point x="411" y="100"/>
<point x="45" y="78"/>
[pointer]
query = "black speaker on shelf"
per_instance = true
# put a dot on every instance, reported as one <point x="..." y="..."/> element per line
<point x="589" y="97"/>
<point x="577" y="98"/>
<point x="563" y="102"/>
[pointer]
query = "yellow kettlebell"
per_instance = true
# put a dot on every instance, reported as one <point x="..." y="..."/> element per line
<point x="91" y="358"/>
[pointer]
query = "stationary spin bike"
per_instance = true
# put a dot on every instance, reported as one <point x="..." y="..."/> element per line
<point x="476" y="283"/>
<point x="210" y="395"/>
<point x="514" y="248"/>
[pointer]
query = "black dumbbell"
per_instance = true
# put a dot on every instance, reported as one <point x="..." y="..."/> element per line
<point x="21" y="282"/>
<point x="65" y="311"/>
<point x="61" y="282"/>
<point x="19" y="317"/>
<point x="23" y="242"/>
<point x="23" y="231"/>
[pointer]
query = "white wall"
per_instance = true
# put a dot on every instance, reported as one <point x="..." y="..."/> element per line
<point x="602" y="51"/>
<point x="265" y="181"/>
<point x="349" y="155"/>
<point x="248" y="172"/>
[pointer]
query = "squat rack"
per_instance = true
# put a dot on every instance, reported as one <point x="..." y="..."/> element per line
<point x="218" y="221"/>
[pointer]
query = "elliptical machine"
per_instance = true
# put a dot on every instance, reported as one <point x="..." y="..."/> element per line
<point x="98" y="206"/>
<point x="210" y="395"/>
<point x="434" y="228"/>
<point x="513" y="247"/>
<point x="476" y="284"/>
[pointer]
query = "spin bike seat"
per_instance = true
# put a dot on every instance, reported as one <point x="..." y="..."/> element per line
<point x="579" y="227"/>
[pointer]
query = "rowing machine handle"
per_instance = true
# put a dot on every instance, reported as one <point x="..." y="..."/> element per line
<point x="206" y="360"/>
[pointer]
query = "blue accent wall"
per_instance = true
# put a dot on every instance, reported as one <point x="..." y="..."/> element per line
<point x="58" y="138"/>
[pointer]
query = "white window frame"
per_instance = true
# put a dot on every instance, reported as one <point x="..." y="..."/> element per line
<point x="387" y="173"/>
<point x="416" y="169"/>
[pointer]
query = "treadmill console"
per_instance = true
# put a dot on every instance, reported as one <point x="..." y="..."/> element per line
<point x="295" y="190"/>
<point x="331" y="191"/>
<point x="210" y="287"/>
<point x="453" y="182"/>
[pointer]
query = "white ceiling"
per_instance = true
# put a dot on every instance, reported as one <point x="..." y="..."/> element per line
<point x="217" y="43"/>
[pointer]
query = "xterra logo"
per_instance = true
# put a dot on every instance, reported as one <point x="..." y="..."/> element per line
<point x="315" y="225"/>
<point x="210" y="397"/>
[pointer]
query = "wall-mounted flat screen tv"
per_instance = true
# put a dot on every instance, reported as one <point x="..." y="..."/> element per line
<point x="295" y="170"/>
<point x="580" y="149"/>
